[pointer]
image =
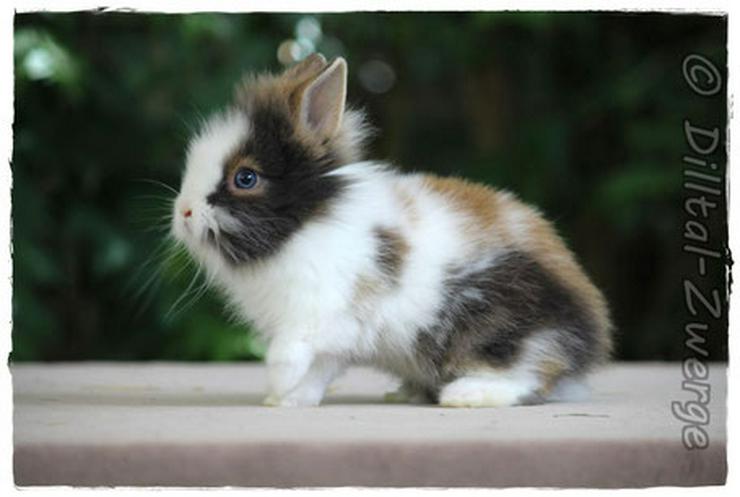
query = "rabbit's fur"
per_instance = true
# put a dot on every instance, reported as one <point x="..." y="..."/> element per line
<point x="462" y="291"/>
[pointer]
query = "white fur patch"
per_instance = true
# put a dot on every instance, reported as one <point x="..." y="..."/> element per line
<point x="487" y="390"/>
<point x="217" y="140"/>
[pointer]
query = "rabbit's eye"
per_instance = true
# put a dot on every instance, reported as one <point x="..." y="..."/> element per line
<point x="245" y="179"/>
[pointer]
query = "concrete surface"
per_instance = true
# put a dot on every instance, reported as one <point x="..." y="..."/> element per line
<point x="167" y="424"/>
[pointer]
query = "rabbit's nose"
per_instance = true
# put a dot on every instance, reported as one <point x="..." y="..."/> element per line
<point x="187" y="212"/>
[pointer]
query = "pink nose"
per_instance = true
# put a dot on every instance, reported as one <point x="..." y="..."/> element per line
<point x="187" y="213"/>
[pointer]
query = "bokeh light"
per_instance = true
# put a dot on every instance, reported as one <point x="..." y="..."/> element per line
<point x="377" y="76"/>
<point x="307" y="36"/>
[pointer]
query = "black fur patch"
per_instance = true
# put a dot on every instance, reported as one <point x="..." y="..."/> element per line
<point x="296" y="189"/>
<point x="489" y="314"/>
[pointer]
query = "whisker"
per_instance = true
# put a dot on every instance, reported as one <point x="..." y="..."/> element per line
<point x="159" y="198"/>
<point x="189" y="264"/>
<point x="159" y="251"/>
<point x="157" y="229"/>
<point x="142" y="286"/>
<point x="198" y="294"/>
<point x="158" y="183"/>
<point x="173" y="311"/>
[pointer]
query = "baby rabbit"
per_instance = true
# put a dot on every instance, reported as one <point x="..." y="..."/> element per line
<point x="462" y="291"/>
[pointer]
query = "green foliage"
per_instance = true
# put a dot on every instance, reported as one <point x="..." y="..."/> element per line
<point x="580" y="114"/>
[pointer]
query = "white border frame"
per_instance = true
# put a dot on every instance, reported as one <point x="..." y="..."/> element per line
<point x="6" y="143"/>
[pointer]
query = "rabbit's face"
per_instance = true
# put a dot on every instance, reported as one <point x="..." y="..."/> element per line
<point x="256" y="173"/>
<point x="249" y="185"/>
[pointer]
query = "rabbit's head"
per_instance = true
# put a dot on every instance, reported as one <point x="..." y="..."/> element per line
<point x="256" y="172"/>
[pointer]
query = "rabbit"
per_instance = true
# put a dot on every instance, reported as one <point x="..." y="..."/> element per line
<point x="461" y="291"/>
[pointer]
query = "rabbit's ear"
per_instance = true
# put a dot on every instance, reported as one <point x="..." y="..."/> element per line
<point x="307" y="68"/>
<point x="321" y="104"/>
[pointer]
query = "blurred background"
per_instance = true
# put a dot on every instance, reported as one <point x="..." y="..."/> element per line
<point x="579" y="113"/>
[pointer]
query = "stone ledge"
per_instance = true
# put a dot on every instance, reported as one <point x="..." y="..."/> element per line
<point x="175" y="424"/>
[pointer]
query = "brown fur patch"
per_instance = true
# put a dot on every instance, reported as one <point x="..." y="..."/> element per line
<point x="392" y="252"/>
<point x="408" y="204"/>
<point x="476" y="200"/>
<point x="279" y="89"/>
<point x="282" y="93"/>
<point x="238" y="162"/>
<point x="478" y="203"/>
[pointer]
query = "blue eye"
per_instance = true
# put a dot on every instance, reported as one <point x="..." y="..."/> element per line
<point x="245" y="179"/>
